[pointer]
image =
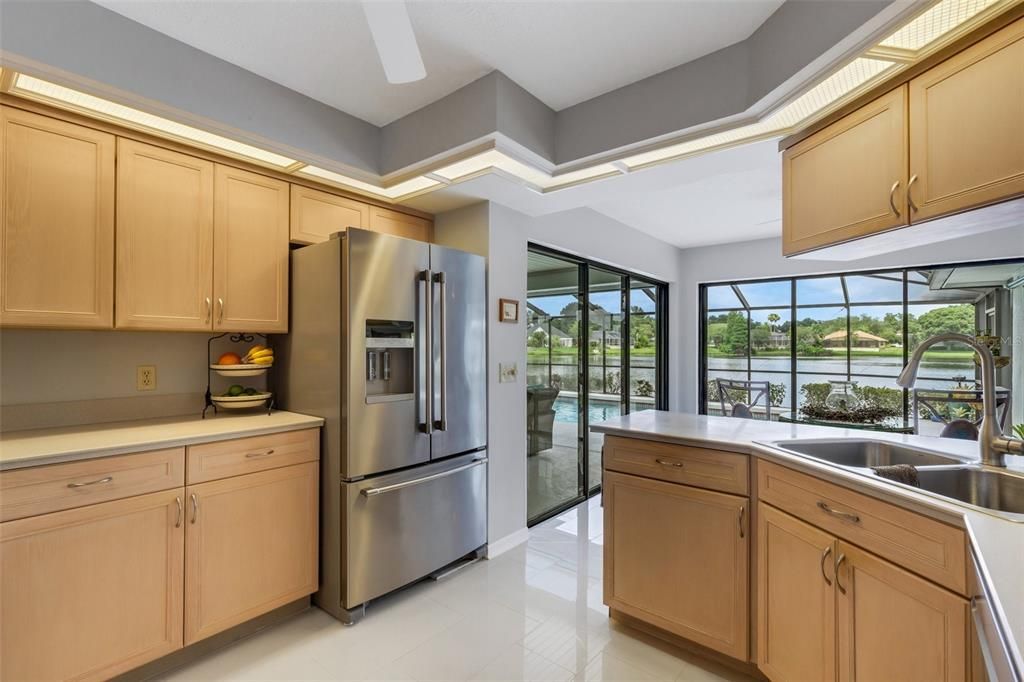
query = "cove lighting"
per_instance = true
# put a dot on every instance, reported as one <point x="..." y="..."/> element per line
<point x="935" y="23"/>
<point x="34" y="88"/>
<point x="402" y="189"/>
<point x="495" y="160"/>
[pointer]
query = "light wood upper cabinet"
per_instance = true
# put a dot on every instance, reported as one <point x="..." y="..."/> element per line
<point x="250" y="248"/>
<point x="400" y="224"/>
<point x="848" y="180"/>
<point x="164" y="239"/>
<point x="967" y="127"/>
<point x="795" y="601"/>
<point x="57" y="231"/>
<point x="92" y="592"/>
<point x="317" y="215"/>
<point x="896" y="626"/>
<point x="251" y="546"/>
<point x="677" y="557"/>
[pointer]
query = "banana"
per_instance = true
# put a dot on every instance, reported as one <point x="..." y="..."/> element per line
<point x="263" y="361"/>
<point x="256" y="353"/>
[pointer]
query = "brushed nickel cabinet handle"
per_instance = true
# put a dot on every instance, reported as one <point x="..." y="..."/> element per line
<point x="220" y="309"/>
<point x="823" y="506"/>
<point x="106" y="479"/>
<point x="209" y="309"/>
<point x="892" y="202"/>
<point x="839" y="562"/>
<point x="667" y="463"/>
<point x="743" y="511"/>
<point x="195" y="508"/>
<point x="177" y="520"/>
<point x="260" y="454"/>
<point x="824" y="556"/>
<point x="910" y="197"/>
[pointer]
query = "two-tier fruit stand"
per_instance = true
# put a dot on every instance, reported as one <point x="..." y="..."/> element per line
<point x="254" y="399"/>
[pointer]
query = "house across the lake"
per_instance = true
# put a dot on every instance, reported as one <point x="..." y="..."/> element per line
<point x="837" y="339"/>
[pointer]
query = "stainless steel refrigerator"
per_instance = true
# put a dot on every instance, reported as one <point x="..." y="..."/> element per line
<point x="387" y="342"/>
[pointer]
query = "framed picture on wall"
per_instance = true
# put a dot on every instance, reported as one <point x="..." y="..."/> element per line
<point x="508" y="310"/>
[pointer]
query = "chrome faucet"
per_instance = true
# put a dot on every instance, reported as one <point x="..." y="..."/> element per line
<point x="992" y="444"/>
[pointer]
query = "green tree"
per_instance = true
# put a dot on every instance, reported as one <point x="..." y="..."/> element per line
<point x="957" y="319"/>
<point x="538" y="339"/>
<point x="641" y="329"/>
<point x="772" y="319"/>
<point x="734" y="340"/>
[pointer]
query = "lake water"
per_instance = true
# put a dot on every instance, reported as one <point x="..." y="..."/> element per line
<point x="814" y="370"/>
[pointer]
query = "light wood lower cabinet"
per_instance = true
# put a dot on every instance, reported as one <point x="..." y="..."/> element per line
<point x="677" y="557"/>
<point x="251" y="546"/>
<point x="828" y="610"/>
<point x="895" y="626"/>
<point x="91" y="592"/>
<point x="795" y="599"/>
<point x="57" y="223"/>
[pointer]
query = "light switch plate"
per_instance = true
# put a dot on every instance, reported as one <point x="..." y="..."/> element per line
<point x="145" y="378"/>
<point x="508" y="372"/>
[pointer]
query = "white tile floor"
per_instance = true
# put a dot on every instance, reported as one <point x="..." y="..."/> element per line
<point x="533" y="613"/>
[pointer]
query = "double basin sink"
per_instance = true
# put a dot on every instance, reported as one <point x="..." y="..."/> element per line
<point x="990" y="489"/>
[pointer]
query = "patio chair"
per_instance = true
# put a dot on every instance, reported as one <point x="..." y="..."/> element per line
<point x="934" y="400"/>
<point x="730" y="390"/>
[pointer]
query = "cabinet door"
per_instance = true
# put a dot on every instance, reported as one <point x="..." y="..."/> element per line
<point x="401" y="225"/>
<point x="57" y="231"/>
<point x="966" y="140"/>
<point x="848" y="180"/>
<point x="251" y="546"/>
<point x="92" y="592"/>
<point x="164" y="239"/>
<point x="895" y="626"/>
<point x="796" y="623"/>
<point x="676" y="557"/>
<point x="317" y="215"/>
<point x="250" y="252"/>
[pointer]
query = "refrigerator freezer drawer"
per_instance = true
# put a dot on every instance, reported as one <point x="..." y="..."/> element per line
<point x="401" y="527"/>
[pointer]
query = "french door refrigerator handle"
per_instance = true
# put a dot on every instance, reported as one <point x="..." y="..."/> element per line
<point x="426" y="346"/>
<point x="442" y="423"/>
<point x="370" y="492"/>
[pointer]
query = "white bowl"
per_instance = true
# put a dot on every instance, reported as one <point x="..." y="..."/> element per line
<point x="238" y="402"/>
<point x="240" y="370"/>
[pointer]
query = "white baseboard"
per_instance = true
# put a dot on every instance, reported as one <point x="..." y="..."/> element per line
<point x="502" y="545"/>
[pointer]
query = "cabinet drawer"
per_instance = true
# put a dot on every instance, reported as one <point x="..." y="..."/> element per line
<point x="210" y="461"/>
<point x="54" y="487"/>
<point x="712" y="469"/>
<point x="920" y="544"/>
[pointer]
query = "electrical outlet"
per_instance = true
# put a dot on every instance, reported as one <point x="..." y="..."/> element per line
<point x="145" y="378"/>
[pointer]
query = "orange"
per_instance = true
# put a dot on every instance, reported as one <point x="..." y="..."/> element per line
<point x="229" y="359"/>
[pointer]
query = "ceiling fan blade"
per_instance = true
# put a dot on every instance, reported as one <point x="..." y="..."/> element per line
<point x="396" y="43"/>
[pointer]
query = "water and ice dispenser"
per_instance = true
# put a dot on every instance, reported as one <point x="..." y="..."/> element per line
<point x="390" y="361"/>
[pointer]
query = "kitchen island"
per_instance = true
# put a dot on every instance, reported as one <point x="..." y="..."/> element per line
<point x="783" y="538"/>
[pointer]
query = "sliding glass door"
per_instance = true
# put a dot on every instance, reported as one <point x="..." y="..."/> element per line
<point x="595" y="350"/>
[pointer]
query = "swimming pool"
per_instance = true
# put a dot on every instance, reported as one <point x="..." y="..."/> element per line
<point x="567" y="409"/>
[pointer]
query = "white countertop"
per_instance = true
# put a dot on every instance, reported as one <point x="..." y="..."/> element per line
<point x="997" y="543"/>
<point x="48" y="446"/>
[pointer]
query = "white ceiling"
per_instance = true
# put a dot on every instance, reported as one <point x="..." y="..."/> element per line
<point x="562" y="51"/>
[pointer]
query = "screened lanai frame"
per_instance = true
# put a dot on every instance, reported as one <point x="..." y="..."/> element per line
<point x="903" y="278"/>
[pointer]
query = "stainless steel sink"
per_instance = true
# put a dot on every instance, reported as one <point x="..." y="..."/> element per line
<point x="992" y="489"/>
<point x="866" y="453"/>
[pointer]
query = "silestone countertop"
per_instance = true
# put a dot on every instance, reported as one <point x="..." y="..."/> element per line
<point x="996" y="543"/>
<point x="49" y="446"/>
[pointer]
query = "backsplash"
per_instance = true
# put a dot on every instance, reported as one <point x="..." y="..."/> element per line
<point x="61" y="378"/>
